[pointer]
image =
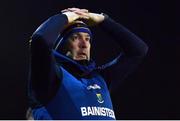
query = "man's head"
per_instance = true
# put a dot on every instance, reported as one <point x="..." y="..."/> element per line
<point x="78" y="46"/>
<point x="75" y="41"/>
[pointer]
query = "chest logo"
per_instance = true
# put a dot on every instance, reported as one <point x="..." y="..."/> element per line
<point x="93" y="87"/>
<point x="99" y="98"/>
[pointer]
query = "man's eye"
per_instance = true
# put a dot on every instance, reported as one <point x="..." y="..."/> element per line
<point x="88" y="39"/>
<point x="74" y="37"/>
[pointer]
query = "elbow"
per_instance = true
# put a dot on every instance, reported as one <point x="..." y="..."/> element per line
<point x="139" y="51"/>
<point x="36" y="36"/>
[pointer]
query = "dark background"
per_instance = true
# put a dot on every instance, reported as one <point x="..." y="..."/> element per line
<point x="151" y="92"/>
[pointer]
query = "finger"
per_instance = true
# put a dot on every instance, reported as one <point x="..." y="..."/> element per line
<point x="84" y="17"/>
<point x="85" y="10"/>
<point x="64" y="10"/>
<point x="73" y="9"/>
<point x="82" y="14"/>
<point x="77" y="9"/>
<point x="69" y="10"/>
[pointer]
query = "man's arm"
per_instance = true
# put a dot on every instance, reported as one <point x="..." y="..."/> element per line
<point x="133" y="51"/>
<point x="42" y="84"/>
<point x="42" y="65"/>
<point x="131" y="44"/>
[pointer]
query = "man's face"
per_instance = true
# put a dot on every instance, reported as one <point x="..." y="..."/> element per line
<point x="79" y="46"/>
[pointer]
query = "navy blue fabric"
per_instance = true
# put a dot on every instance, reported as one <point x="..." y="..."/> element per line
<point x="41" y="114"/>
<point x="74" y="94"/>
<point x="46" y="81"/>
<point x="60" y="58"/>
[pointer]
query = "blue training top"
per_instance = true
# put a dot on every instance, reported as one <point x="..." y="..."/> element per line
<point x="81" y="99"/>
<point x="61" y="88"/>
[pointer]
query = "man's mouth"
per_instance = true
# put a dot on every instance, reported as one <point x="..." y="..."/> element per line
<point x="82" y="54"/>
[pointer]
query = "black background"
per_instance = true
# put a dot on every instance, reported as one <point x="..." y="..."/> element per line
<point x="151" y="92"/>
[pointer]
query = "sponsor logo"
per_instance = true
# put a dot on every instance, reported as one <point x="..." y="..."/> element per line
<point x="97" y="111"/>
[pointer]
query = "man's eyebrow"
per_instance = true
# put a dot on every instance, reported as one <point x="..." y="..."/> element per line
<point x="87" y="35"/>
<point x="78" y="34"/>
<point x="75" y="34"/>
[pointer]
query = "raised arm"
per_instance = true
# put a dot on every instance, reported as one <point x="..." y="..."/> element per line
<point x="133" y="51"/>
<point x="42" y="65"/>
<point x="133" y="48"/>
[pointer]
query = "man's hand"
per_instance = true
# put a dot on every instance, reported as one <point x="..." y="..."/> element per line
<point x="88" y="17"/>
<point x="75" y="13"/>
<point x="95" y="18"/>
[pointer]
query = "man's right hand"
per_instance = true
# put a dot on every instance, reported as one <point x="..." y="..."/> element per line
<point x="72" y="15"/>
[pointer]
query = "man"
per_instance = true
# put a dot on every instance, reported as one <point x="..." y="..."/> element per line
<point x="65" y="83"/>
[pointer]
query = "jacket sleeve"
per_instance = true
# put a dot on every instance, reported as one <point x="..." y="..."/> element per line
<point x="42" y="68"/>
<point x="133" y="50"/>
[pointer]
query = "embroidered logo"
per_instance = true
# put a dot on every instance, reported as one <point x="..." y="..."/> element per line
<point x="99" y="98"/>
<point x="94" y="86"/>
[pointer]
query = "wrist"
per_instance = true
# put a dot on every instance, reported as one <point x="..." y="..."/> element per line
<point x="105" y="15"/>
<point x="98" y="18"/>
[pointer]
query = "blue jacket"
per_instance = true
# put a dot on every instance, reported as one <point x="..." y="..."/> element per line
<point x="61" y="88"/>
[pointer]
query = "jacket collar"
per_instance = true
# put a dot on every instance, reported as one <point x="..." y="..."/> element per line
<point x="84" y="68"/>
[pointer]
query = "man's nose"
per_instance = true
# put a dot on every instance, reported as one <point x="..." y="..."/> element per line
<point x="83" y="43"/>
